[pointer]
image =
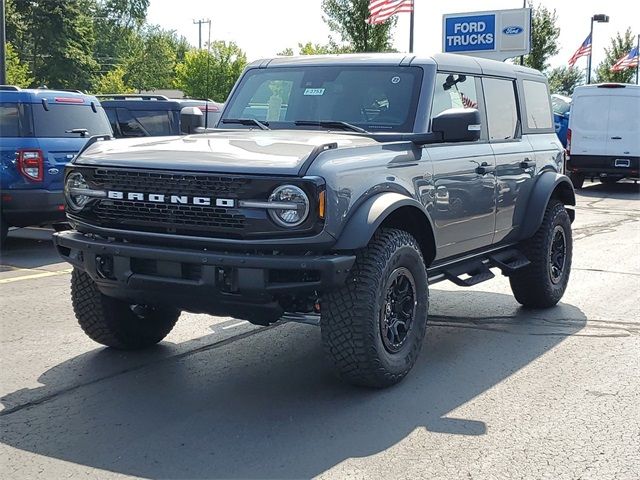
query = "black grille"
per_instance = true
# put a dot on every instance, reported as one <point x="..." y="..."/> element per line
<point x="167" y="217"/>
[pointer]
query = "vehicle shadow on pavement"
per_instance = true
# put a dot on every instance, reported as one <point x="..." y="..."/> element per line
<point x="28" y="248"/>
<point x="624" y="190"/>
<point x="267" y="404"/>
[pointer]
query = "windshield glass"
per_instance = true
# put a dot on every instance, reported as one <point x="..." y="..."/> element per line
<point x="54" y="122"/>
<point x="561" y="104"/>
<point x="376" y="98"/>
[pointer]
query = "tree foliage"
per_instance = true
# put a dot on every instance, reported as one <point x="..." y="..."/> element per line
<point x="348" y="19"/>
<point x="153" y="60"/>
<point x="544" y="37"/>
<point x="315" y="49"/>
<point x="112" y="82"/>
<point x="211" y="74"/>
<point x="564" y="80"/>
<point x="17" y="72"/>
<point x="620" y="45"/>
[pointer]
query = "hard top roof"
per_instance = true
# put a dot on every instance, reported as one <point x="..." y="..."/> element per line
<point x="36" y="95"/>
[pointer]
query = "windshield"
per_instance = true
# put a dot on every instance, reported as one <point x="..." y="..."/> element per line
<point x="376" y="98"/>
<point x="561" y="104"/>
<point x="54" y="122"/>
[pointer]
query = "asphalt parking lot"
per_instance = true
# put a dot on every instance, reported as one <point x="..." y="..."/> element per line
<point x="498" y="392"/>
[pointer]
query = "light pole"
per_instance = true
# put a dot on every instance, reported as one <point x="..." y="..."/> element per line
<point x="600" y="18"/>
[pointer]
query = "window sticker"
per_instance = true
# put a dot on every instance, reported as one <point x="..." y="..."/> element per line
<point x="395" y="80"/>
<point x="314" y="92"/>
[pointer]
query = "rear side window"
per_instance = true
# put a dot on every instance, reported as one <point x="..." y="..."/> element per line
<point x="9" y="120"/>
<point x="502" y="111"/>
<point x="58" y="119"/>
<point x="143" y="123"/>
<point x="536" y="100"/>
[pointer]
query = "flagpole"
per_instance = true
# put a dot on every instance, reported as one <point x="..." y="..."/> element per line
<point x="638" y="64"/>
<point x="411" y="28"/>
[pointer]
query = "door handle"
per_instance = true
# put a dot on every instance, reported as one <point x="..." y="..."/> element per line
<point x="527" y="163"/>
<point x="485" y="168"/>
<point x="616" y="138"/>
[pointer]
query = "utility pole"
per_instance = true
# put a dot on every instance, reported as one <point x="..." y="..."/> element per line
<point x="200" y="22"/>
<point x="3" y="59"/>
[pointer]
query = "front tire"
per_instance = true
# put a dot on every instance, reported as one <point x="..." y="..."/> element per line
<point x="542" y="283"/>
<point x="113" y="322"/>
<point x="374" y="326"/>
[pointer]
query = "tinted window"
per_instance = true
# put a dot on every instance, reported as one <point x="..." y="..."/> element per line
<point x="59" y="118"/>
<point x="113" y="120"/>
<point x="9" y="120"/>
<point x="536" y="99"/>
<point x="502" y="112"/>
<point x="453" y="91"/>
<point x="144" y="123"/>
<point x="374" y="98"/>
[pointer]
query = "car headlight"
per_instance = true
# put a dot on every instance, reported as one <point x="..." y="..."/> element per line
<point x="75" y="189"/>
<point x="294" y="207"/>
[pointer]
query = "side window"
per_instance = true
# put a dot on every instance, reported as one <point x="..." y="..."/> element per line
<point x="502" y="112"/>
<point x="9" y="120"/>
<point x="113" y="119"/>
<point x="129" y="126"/>
<point x="453" y="91"/>
<point x="155" y="122"/>
<point x="536" y="99"/>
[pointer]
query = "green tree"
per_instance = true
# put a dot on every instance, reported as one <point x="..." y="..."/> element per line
<point x="544" y="37"/>
<point x="348" y="19"/>
<point x="211" y="74"/>
<point x="564" y="80"/>
<point x="112" y="82"/>
<point x="56" y="39"/>
<point x="620" y="46"/>
<point x="17" y="72"/>
<point x="315" y="49"/>
<point x="151" y="65"/>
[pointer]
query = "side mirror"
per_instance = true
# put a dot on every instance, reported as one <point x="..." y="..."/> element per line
<point x="191" y="118"/>
<point x="457" y="125"/>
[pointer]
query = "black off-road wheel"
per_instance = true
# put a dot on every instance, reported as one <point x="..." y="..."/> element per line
<point x="543" y="282"/>
<point x="374" y="326"/>
<point x="577" y="180"/>
<point x="115" y="323"/>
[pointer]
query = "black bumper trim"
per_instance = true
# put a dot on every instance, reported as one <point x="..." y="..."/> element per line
<point x="251" y="271"/>
<point x="22" y="208"/>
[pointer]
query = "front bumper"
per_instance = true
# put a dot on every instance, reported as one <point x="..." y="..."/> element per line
<point x="22" y="208"/>
<point x="234" y="284"/>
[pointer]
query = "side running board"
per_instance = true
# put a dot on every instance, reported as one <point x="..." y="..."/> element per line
<point x="469" y="272"/>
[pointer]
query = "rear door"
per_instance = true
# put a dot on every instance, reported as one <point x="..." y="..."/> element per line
<point x="589" y="118"/>
<point x="623" y="126"/>
<point x="52" y="122"/>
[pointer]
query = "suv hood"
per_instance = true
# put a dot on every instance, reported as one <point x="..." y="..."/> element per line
<point x="283" y="152"/>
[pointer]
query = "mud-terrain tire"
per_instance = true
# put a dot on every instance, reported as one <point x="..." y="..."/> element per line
<point x="542" y="283"/>
<point x="373" y="327"/>
<point x="112" y="322"/>
<point x="577" y="180"/>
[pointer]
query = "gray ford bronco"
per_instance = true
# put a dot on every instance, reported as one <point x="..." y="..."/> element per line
<point x="334" y="191"/>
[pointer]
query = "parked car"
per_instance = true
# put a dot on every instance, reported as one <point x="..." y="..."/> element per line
<point x="41" y="130"/>
<point x="366" y="179"/>
<point x="561" y="111"/>
<point x="604" y="133"/>
<point x="143" y="115"/>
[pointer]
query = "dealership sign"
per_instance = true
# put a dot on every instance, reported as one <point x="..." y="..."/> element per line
<point x="498" y="34"/>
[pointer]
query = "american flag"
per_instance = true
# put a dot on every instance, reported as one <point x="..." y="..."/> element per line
<point x="583" y="51"/>
<point x="628" y="61"/>
<point x="381" y="10"/>
<point x="467" y="102"/>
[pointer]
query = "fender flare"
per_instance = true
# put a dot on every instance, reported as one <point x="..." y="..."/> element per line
<point x="368" y="217"/>
<point x="548" y="184"/>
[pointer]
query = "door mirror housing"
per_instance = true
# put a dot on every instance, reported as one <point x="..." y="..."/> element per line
<point x="458" y="125"/>
<point x="191" y="118"/>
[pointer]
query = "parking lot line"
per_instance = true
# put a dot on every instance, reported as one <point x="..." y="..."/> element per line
<point x="35" y="275"/>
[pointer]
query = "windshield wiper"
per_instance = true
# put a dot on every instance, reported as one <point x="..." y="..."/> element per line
<point x="247" y="121"/>
<point x="331" y="124"/>
<point x="83" y="132"/>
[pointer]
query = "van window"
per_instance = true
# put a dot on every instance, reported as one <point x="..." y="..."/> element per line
<point x="502" y="112"/>
<point x="55" y="122"/>
<point x="536" y="99"/>
<point x="9" y="120"/>
<point x="453" y="91"/>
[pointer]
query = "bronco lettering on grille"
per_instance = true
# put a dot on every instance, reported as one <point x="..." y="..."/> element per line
<point x="175" y="199"/>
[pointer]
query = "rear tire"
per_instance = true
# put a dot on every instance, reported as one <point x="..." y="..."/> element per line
<point x="112" y="322"/>
<point x="4" y="231"/>
<point x="577" y="180"/>
<point x="542" y="283"/>
<point x="374" y="326"/>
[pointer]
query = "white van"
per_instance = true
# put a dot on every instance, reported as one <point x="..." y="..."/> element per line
<point x="603" y="140"/>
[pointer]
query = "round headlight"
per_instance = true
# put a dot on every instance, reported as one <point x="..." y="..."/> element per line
<point x="295" y="206"/>
<point x="75" y="181"/>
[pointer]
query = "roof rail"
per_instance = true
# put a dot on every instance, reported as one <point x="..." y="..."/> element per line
<point x="9" y="88"/>
<point x="133" y="96"/>
<point x="73" y="90"/>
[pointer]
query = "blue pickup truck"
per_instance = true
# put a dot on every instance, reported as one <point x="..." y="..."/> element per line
<point x="41" y="130"/>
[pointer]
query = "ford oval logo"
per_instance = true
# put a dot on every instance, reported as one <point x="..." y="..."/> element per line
<point x="512" y="30"/>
